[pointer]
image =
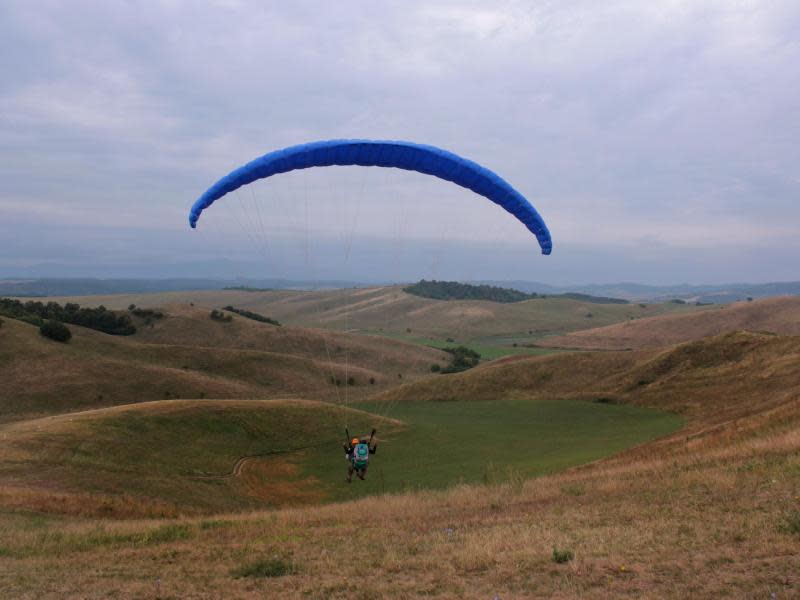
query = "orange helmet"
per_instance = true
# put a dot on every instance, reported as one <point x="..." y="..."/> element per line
<point x="354" y="441"/>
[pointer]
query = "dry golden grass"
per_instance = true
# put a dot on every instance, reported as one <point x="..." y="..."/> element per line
<point x="189" y="356"/>
<point x="779" y="315"/>
<point x="674" y="525"/>
<point x="389" y="310"/>
<point x="705" y="513"/>
<point x="711" y="380"/>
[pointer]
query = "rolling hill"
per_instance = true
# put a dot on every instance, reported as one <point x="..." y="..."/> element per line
<point x="709" y="381"/>
<point x="774" y="315"/>
<point x="172" y="457"/>
<point x="189" y="355"/>
<point x="390" y="311"/>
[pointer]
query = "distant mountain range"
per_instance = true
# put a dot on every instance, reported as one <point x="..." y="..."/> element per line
<point x="633" y="292"/>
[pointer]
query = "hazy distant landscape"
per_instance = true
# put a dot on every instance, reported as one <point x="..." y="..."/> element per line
<point x="720" y="294"/>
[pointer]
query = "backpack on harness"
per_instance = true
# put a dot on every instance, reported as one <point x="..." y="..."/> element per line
<point x="361" y="456"/>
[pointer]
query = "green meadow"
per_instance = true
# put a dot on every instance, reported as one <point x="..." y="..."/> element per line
<point x="488" y="348"/>
<point x="183" y="453"/>
<point x="445" y="443"/>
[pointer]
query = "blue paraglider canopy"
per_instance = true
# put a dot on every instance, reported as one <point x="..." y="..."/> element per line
<point x="371" y="153"/>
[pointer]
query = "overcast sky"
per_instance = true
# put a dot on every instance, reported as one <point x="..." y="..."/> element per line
<point x="659" y="140"/>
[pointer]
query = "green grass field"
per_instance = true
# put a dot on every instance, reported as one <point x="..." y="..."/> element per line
<point x="183" y="453"/>
<point x="451" y="442"/>
<point x="488" y="348"/>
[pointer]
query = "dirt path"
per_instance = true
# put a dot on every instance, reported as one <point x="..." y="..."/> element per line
<point x="242" y="461"/>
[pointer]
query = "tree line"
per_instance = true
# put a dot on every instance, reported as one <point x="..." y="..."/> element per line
<point x="251" y="315"/>
<point x="453" y="290"/>
<point x="99" y="319"/>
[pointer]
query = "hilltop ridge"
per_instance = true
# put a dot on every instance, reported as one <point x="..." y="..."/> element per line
<point x="775" y="315"/>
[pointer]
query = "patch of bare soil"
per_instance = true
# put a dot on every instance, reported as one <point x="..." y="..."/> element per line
<point x="276" y="481"/>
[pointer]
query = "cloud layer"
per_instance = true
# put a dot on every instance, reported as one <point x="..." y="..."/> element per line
<point x="665" y="130"/>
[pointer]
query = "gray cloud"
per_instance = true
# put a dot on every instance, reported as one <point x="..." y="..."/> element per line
<point x="667" y="130"/>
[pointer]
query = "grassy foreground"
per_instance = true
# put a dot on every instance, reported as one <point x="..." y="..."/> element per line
<point x="710" y="511"/>
<point x="715" y="516"/>
<point x="182" y="457"/>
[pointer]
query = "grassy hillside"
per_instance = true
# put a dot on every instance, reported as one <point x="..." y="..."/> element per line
<point x="775" y="315"/>
<point x="389" y="311"/>
<point x="175" y="456"/>
<point x="184" y="456"/>
<point x="711" y="380"/>
<point x="713" y="511"/>
<point x="189" y="355"/>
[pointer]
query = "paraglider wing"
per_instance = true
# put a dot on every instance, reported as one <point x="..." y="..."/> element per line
<point x="368" y="153"/>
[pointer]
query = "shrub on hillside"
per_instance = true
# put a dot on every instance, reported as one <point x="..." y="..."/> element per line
<point x="218" y="315"/>
<point x="791" y="523"/>
<point x="273" y="567"/>
<point x="251" y="315"/>
<point x="55" y="331"/>
<point x="146" y="313"/>
<point x="463" y="358"/>
<point x="562" y="556"/>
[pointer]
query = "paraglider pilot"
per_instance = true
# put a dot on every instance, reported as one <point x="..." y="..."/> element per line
<point x="357" y="452"/>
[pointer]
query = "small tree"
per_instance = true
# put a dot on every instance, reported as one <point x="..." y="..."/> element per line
<point x="218" y="315"/>
<point x="55" y="331"/>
